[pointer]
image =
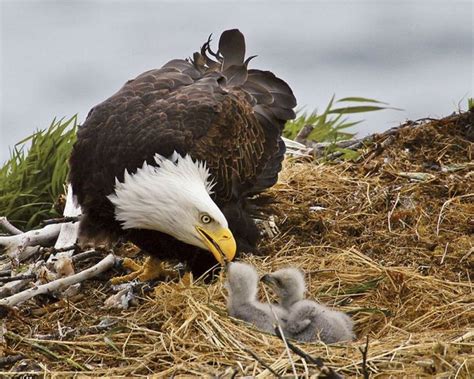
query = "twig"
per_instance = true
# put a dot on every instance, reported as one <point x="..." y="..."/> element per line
<point x="6" y="279"/>
<point x="62" y="283"/>
<point x="10" y="359"/>
<point x="273" y="372"/>
<point x="55" y="250"/>
<point x="294" y="148"/>
<point x="10" y="288"/>
<point x="327" y="371"/>
<point x="465" y="337"/>
<point x="364" y="352"/>
<point x="42" y="237"/>
<point x="22" y="255"/>
<point x="234" y="373"/>
<point x="61" y="220"/>
<point x="438" y="224"/>
<point x="444" y="254"/>
<point x="12" y="229"/>
<point x="280" y="331"/>
<point x="84" y="255"/>
<point x="304" y="133"/>
<point x="389" y="216"/>
<point x="77" y="331"/>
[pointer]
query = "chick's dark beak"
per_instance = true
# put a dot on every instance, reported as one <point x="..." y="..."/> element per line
<point x="267" y="279"/>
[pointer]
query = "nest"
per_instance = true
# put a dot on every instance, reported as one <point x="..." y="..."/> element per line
<point x="388" y="239"/>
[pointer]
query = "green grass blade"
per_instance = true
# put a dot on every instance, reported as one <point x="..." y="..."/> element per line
<point x="32" y="179"/>
<point x="358" y="109"/>
<point x="360" y="100"/>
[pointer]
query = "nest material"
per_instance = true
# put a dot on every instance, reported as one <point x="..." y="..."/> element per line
<point x="393" y="249"/>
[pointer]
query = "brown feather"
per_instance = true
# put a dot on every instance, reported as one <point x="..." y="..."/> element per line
<point x="232" y="48"/>
<point x="215" y="110"/>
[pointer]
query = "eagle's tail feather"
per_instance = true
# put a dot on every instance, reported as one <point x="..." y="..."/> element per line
<point x="232" y="49"/>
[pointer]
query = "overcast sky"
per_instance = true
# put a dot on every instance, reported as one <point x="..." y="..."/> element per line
<point x="59" y="58"/>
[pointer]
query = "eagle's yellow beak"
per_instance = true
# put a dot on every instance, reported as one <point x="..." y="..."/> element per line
<point x="221" y="243"/>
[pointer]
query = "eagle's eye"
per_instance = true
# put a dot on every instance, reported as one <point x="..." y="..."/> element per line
<point x="205" y="218"/>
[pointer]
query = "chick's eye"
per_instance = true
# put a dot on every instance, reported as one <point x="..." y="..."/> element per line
<point x="206" y="219"/>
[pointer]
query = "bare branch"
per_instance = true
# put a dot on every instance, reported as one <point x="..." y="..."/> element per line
<point x="12" y="229"/>
<point x="11" y="288"/>
<point x="304" y="133"/>
<point x="61" y="220"/>
<point x="5" y="279"/>
<point x="84" y="255"/>
<point x="42" y="237"/>
<point x="60" y="284"/>
<point x="69" y="230"/>
<point x="364" y="353"/>
<point x="55" y="250"/>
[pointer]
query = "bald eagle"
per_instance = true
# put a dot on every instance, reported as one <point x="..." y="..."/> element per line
<point x="170" y="160"/>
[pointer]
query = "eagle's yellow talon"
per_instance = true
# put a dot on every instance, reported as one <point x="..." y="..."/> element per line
<point x="131" y="264"/>
<point x="151" y="268"/>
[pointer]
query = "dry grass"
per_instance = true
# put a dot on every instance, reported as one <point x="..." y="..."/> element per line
<point x="397" y="254"/>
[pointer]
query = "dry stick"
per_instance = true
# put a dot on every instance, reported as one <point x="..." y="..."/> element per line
<point x="10" y="288"/>
<point x="446" y="204"/>
<point x="255" y="356"/>
<point x="465" y="337"/>
<point x="13" y="286"/>
<point x="444" y="254"/>
<point x="69" y="230"/>
<point x="12" y="229"/>
<point x="10" y="359"/>
<point x="75" y="332"/>
<point x="365" y="352"/>
<point x="63" y="249"/>
<point x="389" y="215"/>
<point x="280" y="331"/>
<point x="5" y="279"/>
<point x="19" y="242"/>
<point x="59" y="284"/>
<point x="61" y="220"/>
<point x="294" y="148"/>
<point x="84" y="255"/>
<point x="328" y="371"/>
<point x="304" y="133"/>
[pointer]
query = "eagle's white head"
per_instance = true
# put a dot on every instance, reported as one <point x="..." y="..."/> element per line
<point x="173" y="197"/>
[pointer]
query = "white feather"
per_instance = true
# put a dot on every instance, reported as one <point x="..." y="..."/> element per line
<point x="168" y="197"/>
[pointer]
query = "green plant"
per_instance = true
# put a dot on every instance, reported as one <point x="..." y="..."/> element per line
<point x="470" y="104"/>
<point x="31" y="181"/>
<point x="330" y="125"/>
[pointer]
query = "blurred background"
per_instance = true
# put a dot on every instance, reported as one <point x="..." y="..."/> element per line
<point x="59" y="58"/>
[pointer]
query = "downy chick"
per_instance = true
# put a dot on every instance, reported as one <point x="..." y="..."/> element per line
<point x="307" y="320"/>
<point x="242" y="281"/>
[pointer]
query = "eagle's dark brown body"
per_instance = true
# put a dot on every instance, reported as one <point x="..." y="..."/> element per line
<point x="216" y="111"/>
